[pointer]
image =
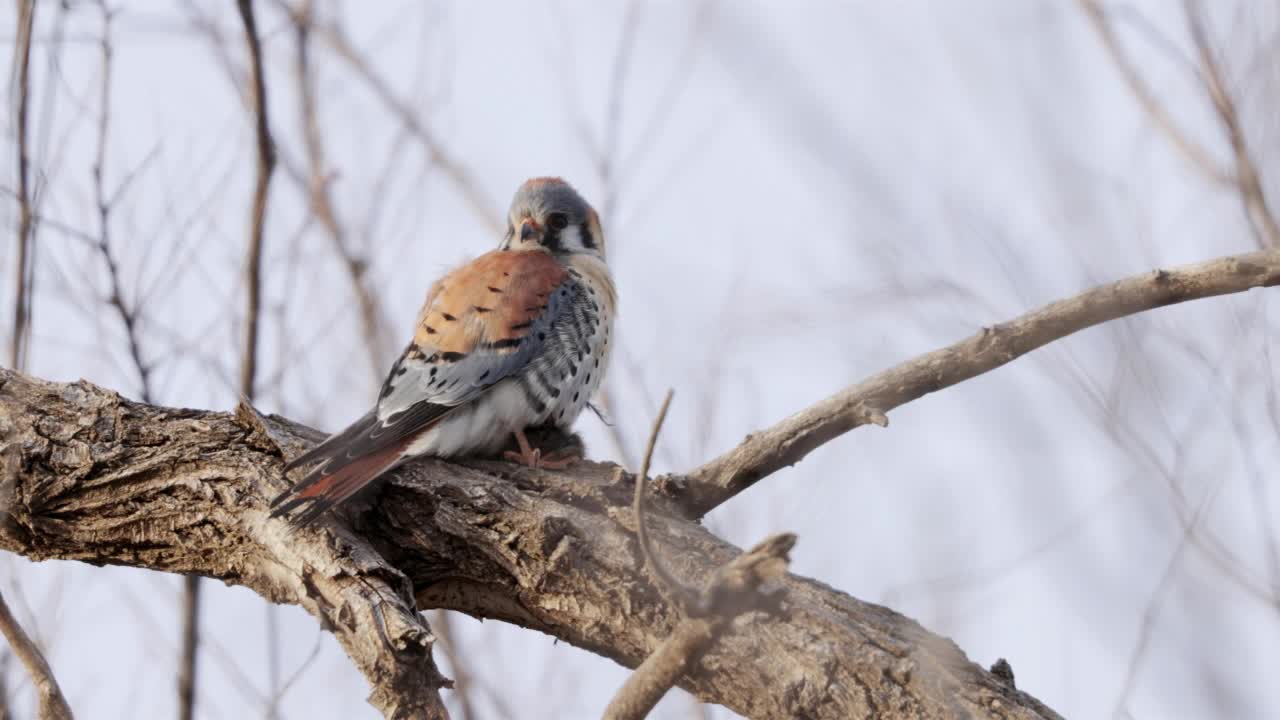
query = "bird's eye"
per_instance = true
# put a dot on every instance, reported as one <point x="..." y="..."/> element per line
<point x="558" y="221"/>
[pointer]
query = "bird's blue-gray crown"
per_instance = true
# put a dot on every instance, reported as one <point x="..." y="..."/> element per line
<point x="548" y="214"/>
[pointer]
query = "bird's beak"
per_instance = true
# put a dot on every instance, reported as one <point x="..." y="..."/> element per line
<point x="529" y="228"/>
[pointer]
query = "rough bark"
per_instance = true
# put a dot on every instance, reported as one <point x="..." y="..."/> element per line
<point x="104" y="480"/>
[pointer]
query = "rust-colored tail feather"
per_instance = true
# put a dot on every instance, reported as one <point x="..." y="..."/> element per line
<point x="327" y="486"/>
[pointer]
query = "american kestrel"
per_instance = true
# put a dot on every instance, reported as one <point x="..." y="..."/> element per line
<point x="517" y="337"/>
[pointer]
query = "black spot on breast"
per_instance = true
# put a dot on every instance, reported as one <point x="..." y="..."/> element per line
<point x="483" y="375"/>
<point x="575" y="397"/>
<point x="588" y="378"/>
<point x="542" y="336"/>
<point x="573" y="369"/>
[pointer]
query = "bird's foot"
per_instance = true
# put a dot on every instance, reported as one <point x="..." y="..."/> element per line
<point x="530" y="456"/>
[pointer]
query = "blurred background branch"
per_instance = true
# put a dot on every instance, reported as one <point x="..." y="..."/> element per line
<point x="52" y="705"/>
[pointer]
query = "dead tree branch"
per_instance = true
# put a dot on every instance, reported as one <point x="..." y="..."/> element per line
<point x="52" y="705"/>
<point x="734" y="589"/>
<point x="737" y="588"/>
<point x="667" y="583"/>
<point x="104" y="480"/>
<point x="1193" y="151"/>
<point x="789" y="441"/>
<point x="20" y="89"/>
<point x="371" y="318"/>
<point x="191" y="505"/>
<point x="128" y="314"/>
<point x="1244" y="177"/>
<point x="266" y="164"/>
<point x="436" y="150"/>
<point x="1247" y="177"/>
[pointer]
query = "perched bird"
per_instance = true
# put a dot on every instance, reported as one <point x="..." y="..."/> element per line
<point x="517" y="337"/>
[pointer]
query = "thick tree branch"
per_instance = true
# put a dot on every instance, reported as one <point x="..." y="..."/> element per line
<point x="734" y="590"/>
<point x="108" y="481"/>
<point x="789" y="441"/>
<point x="52" y="705"/>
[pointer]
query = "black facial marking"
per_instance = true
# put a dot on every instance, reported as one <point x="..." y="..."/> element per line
<point x="522" y="326"/>
<point x="430" y="330"/>
<point x="584" y="232"/>
<point x="448" y="317"/>
<point x="480" y="309"/>
<point x="493" y="289"/>
<point x="452" y="356"/>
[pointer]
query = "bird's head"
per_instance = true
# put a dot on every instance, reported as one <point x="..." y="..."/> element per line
<point x="548" y="214"/>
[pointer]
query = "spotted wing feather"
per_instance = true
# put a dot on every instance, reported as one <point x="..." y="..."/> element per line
<point x="481" y="323"/>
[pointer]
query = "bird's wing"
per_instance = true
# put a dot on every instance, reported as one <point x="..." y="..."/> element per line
<point x="480" y="323"/>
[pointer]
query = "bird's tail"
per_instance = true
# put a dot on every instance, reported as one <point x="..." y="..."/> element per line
<point x="338" y="475"/>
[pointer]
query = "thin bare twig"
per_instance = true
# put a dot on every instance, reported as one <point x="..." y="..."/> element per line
<point x="443" y="630"/>
<point x="128" y="315"/>
<point x="734" y="590"/>
<point x="266" y="164"/>
<point x="436" y="150"/>
<point x="6" y="711"/>
<point x="190" y="647"/>
<point x="746" y="584"/>
<point x="789" y="441"/>
<point x="52" y="705"/>
<point x="1193" y="151"/>
<point x="675" y="591"/>
<point x="1149" y="615"/>
<point x="371" y="316"/>
<point x="21" y="90"/>
<point x="1247" y="177"/>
